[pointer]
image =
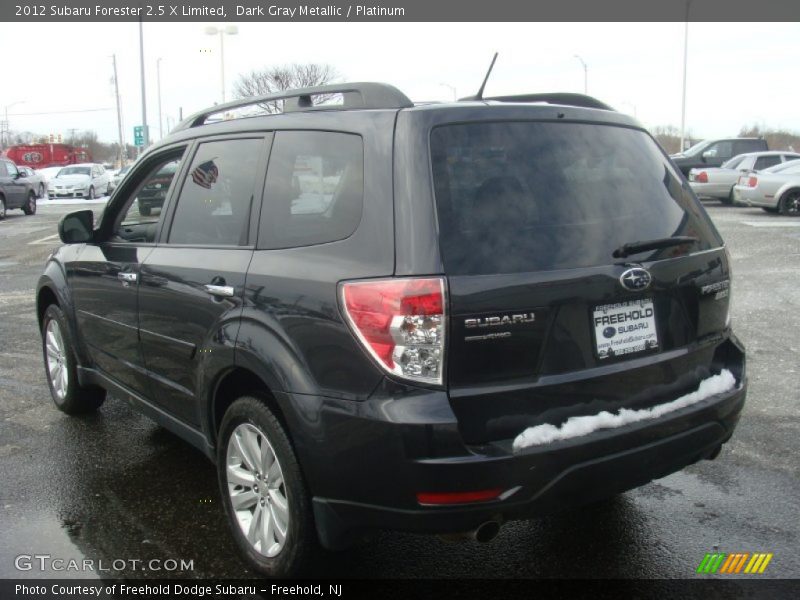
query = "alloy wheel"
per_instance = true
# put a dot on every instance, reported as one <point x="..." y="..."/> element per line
<point x="791" y="204"/>
<point x="257" y="490"/>
<point x="56" y="359"/>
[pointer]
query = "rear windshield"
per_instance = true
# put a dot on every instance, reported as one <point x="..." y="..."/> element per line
<point x="532" y="196"/>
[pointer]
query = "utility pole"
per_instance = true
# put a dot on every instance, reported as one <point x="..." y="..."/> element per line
<point x="122" y="151"/>
<point x="685" y="62"/>
<point x="585" y="75"/>
<point x="145" y="131"/>
<point x="158" y="82"/>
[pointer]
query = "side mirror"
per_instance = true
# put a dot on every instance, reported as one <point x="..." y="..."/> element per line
<point x="77" y="227"/>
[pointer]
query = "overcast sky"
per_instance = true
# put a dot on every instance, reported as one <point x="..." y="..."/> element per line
<point x="739" y="73"/>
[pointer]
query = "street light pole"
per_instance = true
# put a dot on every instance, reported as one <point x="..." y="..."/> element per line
<point x="685" y="62"/>
<point x="122" y="150"/>
<point x="585" y="75"/>
<point x="6" y="128"/>
<point x="222" y="32"/>
<point x="158" y="82"/>
<point x="145" y="132"/>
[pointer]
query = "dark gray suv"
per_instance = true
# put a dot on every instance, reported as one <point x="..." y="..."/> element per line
<point x="376" y="315"/>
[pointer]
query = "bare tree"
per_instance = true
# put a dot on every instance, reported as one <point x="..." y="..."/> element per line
<point x="271" y="80"/>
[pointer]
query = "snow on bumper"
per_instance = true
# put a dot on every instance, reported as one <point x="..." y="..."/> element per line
<point x="584" y="425"/>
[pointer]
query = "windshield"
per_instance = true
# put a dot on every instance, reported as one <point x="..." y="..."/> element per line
<point x="74" y="171"/>
<point x="782" y="166"/>
<point x="527" y="196"/>
<point x="697" y="148"/>
<point x="734" y="162"/>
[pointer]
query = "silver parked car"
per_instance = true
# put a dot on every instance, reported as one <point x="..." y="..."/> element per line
<point x="36" y="180"/>
<point x="718" y="182"/>
<point x="776" y="189"/>
<point x="117" y="178"/>
<point x="87" y="180"/>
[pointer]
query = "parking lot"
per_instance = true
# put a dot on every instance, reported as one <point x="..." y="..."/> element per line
<point x="115" y="486"/>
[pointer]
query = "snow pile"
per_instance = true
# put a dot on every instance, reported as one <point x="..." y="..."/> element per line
<point x="578" y="426"/>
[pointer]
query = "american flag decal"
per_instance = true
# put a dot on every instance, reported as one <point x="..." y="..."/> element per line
<point x="205" y="174"/>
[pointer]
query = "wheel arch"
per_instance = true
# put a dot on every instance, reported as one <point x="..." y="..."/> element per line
<point x="787" y="189"/>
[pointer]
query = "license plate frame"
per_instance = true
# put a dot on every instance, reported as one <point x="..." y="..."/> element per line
<point x="625" y="328"/>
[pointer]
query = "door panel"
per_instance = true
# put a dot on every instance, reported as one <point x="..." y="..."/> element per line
<point x="104" y="285"/>
<point x="182" y="322"/>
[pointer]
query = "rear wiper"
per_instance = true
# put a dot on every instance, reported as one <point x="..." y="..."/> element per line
<point x="635" y="247"/>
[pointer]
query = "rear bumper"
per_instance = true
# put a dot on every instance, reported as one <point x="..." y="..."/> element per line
<point x="366" y="461"/>
<point x="711" y="190"/>
<point x="547" y="478"/>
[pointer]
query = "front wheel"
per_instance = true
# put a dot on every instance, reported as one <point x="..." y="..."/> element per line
<point x="790" y="204"/>
<point x="30" y="205"/>
<point x="41" y="190"/>
<point x="91" y="193"/>
<point x="262" y="487"/>
<point x="2" y="208"/>
<point x="61" y="367"/>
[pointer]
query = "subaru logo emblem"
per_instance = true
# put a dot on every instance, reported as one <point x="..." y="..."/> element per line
<point x="636" y="279"/>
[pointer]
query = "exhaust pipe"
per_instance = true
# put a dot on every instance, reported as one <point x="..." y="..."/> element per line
<point x="485" y="532"/>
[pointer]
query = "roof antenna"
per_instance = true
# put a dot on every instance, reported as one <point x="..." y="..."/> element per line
<point x="479" y="95"/>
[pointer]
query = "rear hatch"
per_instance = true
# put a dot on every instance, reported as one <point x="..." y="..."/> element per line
<point x="545" y="322"/>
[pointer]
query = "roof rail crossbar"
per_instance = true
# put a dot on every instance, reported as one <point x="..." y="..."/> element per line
<point x="363" y="95"/>
<point x="565" y="98"/>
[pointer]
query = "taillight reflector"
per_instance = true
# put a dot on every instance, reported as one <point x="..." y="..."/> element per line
<point x="401" y="323"/>
<point x="458" y="497"/>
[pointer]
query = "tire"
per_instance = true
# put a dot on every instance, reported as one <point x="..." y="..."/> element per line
<point x="789" y="204"/>
<point x="2" y="207"/>
<point x="145" y="210"/>
<point x="91" y="193"/>
<point x="41" y="190"/>
<point x="250" y="423"/>
<point x="729" y="200"/>
<point x="61" y="367"/>
<point x="30" y="206"/>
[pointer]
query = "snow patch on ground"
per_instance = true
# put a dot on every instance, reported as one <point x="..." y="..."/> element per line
<point x="579" y="426"/>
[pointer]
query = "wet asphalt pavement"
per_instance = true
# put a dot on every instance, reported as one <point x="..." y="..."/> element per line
<point x="115" y="486"/>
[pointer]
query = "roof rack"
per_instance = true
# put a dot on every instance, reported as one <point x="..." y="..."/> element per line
<point x="354" y="95"/>
<point x="564" y="98"/>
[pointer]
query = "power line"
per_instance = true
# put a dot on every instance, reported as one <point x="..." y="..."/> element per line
<point x="60" y="112"/>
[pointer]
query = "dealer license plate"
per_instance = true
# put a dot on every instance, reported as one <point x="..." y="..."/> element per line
<point x="625" y="328"/>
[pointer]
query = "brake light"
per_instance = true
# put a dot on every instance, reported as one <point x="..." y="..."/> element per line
<point x="458" y="497"/>
<point x="701" y="177"/>
<point x="752" y="182"/>
<point x="401" y="323"/>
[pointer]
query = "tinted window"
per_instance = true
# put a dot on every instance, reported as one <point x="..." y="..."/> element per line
<point x="763" y="162"/>
<point x="215" y="201"/>
<point x="720" y="150"/>
<point x="515" y="197"/>
<point x="315" y="189"/>
<point x="141" y="216"/>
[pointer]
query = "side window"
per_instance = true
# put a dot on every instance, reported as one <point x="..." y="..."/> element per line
<point x="764" y="162"/>
<point x="141" y="216"/>
<point x="723" y="150"/>
<point x="315" y="189"/>
<point x="216" y="198"/>
<point x="12" y="169"/>
<point x="3" y="170"/>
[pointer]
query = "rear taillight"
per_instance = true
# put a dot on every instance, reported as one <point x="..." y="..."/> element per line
<point x="701" y="177"/>
<point x="401" y="323"/>
<point x="752" y="182"/>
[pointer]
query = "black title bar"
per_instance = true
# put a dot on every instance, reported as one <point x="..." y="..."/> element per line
<point x="399" y="10"/>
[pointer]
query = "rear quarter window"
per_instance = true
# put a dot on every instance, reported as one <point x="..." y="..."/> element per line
<point x="533" y="196"/>
<point x="314" y="191"/>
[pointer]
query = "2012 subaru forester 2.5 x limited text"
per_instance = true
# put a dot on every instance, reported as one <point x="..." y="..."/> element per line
<point x="430" y="318"/>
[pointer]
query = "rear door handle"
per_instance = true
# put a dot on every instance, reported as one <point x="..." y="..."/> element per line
<point x="221" y="291"/>
<point x="127" y="278"/>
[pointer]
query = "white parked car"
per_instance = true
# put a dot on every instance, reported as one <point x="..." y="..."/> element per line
<point x="117" y="177"/>
<point x="775" y="190"/>
<point x="718" y="182"/>
<point x="87" y="180"/>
